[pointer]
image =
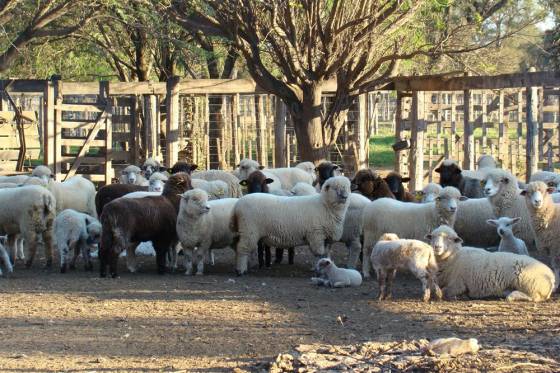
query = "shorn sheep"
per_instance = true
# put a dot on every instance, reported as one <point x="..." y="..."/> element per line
<point x="391" y="254"/>
<point x="111" y="192"/>
<point x="234" y="189"/>
<point x="75" y="233"/>
<point x="216" y="189"/>
<point x="331" y="275"/>
<point x="285" y="222"/>
<point x="133" y="175"/>
<point x="128" y="221"/>
<point x="406" y="220"/>
<point x="508" y="242"/>
<point x="551" y="179"/>
<point x="545" y="220"/>
<point x="29" y="211"/>
<point x="202" y="226"/>
<point x="478" y="273"/>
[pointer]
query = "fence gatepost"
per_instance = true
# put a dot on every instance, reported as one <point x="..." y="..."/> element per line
<point x="49" y="123"/>
<point x="399" y="133"/>
<point x="468" y="135"/>
<point x="416" y="164"/>
<point x="532" y="105"/>
<point x="172" y="135"/>
<point x="58" y="99"/>
<point x="362" y="140"/>
<point x="280" y="133"/>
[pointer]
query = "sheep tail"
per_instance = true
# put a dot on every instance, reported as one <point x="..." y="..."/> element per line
<point x="49" y="205"/>
<point x="233" y="224"/>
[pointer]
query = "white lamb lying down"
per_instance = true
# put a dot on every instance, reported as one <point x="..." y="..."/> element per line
<point x="5" y="259"/>
<point x="391" y="253"/>
<point x="335" y="277"/>
<point x="478" y="273"/>
<point x="453" y="346"/>
<point x="508" y="243"/>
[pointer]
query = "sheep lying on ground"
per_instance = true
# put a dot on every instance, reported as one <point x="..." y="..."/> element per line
<point x="29" y="211"/>
<point x="551" y="179"/>
<point x="502" y="191"/>
<point x="429" y="193"/>
<point x="233" y="187"/>
<point x="151" y="166"/>
<point x="128" y="221"/>
<point x="5" y="259"/>
<point x="325" y="170"/>
<point x="478" y="273"/>
<point x="76" y="193"/>
<point x="202" y="226"/>
<point x="335" y="277"/>
<point x="453" y="346"/>
<point x="133" y="175"/>
<point x="391" y="253"/>
<point x="75" y="233"/>
<point x="285" y="222"/>
<point x="545" y="220"/>
<point x="372" y="186"/>
<point x="111" y="192"/>
<point x="508" y="243"/>
<point x="395" y="182"/>
<point x="406" y="220"/>
<point x="216" y="189"/>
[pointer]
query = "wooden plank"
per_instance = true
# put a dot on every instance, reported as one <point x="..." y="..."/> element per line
<point x="80" y="142"/>
<point x="76" y="125"/>
<point x="468" y="135"/>
<point x="280" y="134"/>
<point x="532" y="154"/>
<point x="399" y="133"/>
<point x="79" y="107"/>
<point x="416" y="164"/>
<point x="9" y="155"/>
<point x="23" y="85"/>
<point x="109" y="154"/>
<point x="57" y="129"/>
<point x="84" y="160"/>
<point x="172" y="133"/>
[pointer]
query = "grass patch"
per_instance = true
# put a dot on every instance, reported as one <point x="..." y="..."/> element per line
<point x="381" y="154"/>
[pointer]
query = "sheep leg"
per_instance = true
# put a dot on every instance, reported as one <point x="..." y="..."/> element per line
<point x="74" y="247"/>
<point x="113" y="263"/>
<point x="260" y="255"/>
<point x="291" y="255"/>
<point x="5" y="257"/>
<point x="424" y="278"/>
<point x="279" y="255"/>
<point x="47" y="236"/>
<point x="245" y="246"/>
<point x="188" y="260"/>
<point x="31" y="239"/>
<point x="267" y="256"/>
<point x="354" y="250"/>
<point x="381" y="281"/>
<point x="517" y="295"/>
<point x="11" y="244"/>
<point x="20" y="254"/>
<point x="390" y="278"/>
<point x="319" y="281"/>
<point x="131" y="257"/>
<point x="317" y="246"/>
<point x="367" y="249"/>
<point x="340" y="284"/>
<point x="432" y="281"/>
<point x="201" y="257"/>
<point x="86" y="257"/>
<point x="555" y="264"/>
<point x="177" y="249"/>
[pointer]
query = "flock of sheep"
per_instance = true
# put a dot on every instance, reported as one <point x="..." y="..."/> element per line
<point x="472" y="234"/>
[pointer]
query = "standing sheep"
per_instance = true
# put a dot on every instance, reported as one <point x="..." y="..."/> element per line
<point x="508" y="243"/>
<point x="182" y="166"/>
<point x="395" y="182"/>
<point x="111" y="192"/>
<point x="151" y="166"/>
<point x="156" y="182"/>
<point x="216" y="189"/>
<point x="308" y="167"/>
<point x="372" y="186"/>
<point x="429" y="193"/>
<point x="545" y="220"/>
<point x="551" y="179"/>
<point x="335" y="277"/>
<point x="325" y="170"/>
<point x="406" y="220"/>
<point x="75" y="232"/>
<point x="5" y="259"/>
<point x="391" y="253"/>
<point x="285" y="222"/>
<point x="202" y="226"/>
<point x="471" y="225"/>
<point x="450" y="174"/>
<point x="478" y="273"/>
<point x="133" y="175"/>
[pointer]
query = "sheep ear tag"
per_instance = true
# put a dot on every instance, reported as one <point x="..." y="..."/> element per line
<point x="418" y="196"/>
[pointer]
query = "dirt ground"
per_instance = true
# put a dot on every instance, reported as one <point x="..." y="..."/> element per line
<point x="144" y="322"/>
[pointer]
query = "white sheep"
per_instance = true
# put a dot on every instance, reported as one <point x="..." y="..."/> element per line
<point x="76" y="193"/>
<point x="508" y="243"/>
<point x="335" y="277"/>
<point x="500" y="186"/>
<point x="15" y="179"/>
<point x="202" y="226"/>
<point x="150" y="166"/>
<point x="284" y="178"/>
<point x="353" y="227"/>
<point x="285" y="222"/>
<point x="75" y="233"/>
<point x="486" y="161"/>
<point x="248" y="166"/>
<point x="405" y="219"/>
<point x="29" y="211"/>
<point x="308" y="167"/>
<point x="471" y="225"/>
<point x="233" y="187"/>
<point x="545" y="221"/>
<point x="133" y="175"/>
<point x="429" y="193"/>
<point x="478" y="273"/>
<point x="391" y="253"/>
<point x="303" y="189"/>
<point x="551" y="179"/>
<point x="216" y="189"/>
<point x="453" y="346"/>
<point x="156" y="182"/>
<point x="5" y="259"/>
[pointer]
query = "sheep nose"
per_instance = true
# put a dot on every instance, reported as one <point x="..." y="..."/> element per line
<point x="500" y="232"/>
<point x="452" y="208"/>
<point x="486" y="191"/>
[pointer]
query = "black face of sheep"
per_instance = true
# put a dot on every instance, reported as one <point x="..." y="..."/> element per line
<point x="326" y="170"/>
<point x="182" y="167"/>
<point x="449" y="175"/>
<point x="395" y="182"/>
<point x="149" y="169"/>
<point x="257" y="182"/>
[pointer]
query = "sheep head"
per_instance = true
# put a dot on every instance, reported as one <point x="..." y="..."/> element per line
<point x="537" y="195"/>
<point x="336" y="190"/>
<point x="444" y="241"/>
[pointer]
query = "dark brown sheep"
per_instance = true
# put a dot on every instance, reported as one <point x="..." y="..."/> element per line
<point x="368" y="183"/>
<point x="182" y="167"/>
<point x="111" y="192"/>
<point x="395" y="182"/>
<point x="325" y="170"/>
<point x="128" y="221"/>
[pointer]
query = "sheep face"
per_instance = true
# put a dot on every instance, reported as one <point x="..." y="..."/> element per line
<point x="449" y="173"/>
<point x="130" y="174"/>
<point x="323" y="265"/>
<point x="93" y="232"/>
<point x="444" y="241"/>
<point x="195" y="202"/>
<point x="336" y="190"/>
<point x="366" y="181"/>
<point x="430" y="193"/>
<point x="182" y="167"/>
<point x="156" y="182"/>
<point x="537" y="194"/>
<point x="43" y="173"/>
<point x="495" y="181"/>
<point x="325" y="170"/>
<point x="257" y="182"/>
<point x="247" y="167"/>
<point x="504" y="225"/>
<point x="389" y="237"/>
<point x="395" y="182"/>
<point x="151" y="166"/>
<point x="449" y="199"/>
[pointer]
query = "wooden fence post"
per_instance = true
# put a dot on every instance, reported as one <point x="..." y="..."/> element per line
<point x="57" y="129"/>
<point x="399" y="133"/>
<point x="532" y="153"/>
<point x="49" y="123"/>
<point x="109" y="172"/>
<point x="151" y="132"/>
<point x="172" y="135"/>
<point x="360" y="134"/>
<point x="262" y="156"/>
<point x="453" y="131"/>
<point x="235" y="128"/>
<point x="502" y="133"/>
<point x="280" y="134"/>
<point x="416" y="164"/>
<point x="468" y="135"/>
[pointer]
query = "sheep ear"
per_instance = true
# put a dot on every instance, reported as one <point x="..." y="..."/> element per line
<point x="261" y="167"/>
<point x="268" y="181"/>
<point x="428" y="237"/>
<point x="523" y="192"/>
<point x="405" y="179"/>
<point x="550" y="190"/>
<point x="463" y="198"/>
<point x="492" y="222"/>
<point x="515" y="220"/>
<point x="458" y="170"/>
<point x="438" y="170"/>
<point x="194" y="167"/>
<point x="243" y="183"/>
<point x="457" y="240"/>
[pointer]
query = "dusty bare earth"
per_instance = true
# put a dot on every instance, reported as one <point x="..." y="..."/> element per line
<point x="144" y="322"/>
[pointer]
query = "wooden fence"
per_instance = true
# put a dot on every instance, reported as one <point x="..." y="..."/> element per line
<point x="96" y="128"/>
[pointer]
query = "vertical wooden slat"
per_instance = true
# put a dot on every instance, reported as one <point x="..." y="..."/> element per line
<point x="109" y="172"/>
<point x="468" y="136"/>
<point x="501" y="129"/>
<point x="280" y="134"/>
<point x="49" y="151"/>
<point x="540" y="124"/>
<point x="453" y="125"/>
<point x="399" y="132"/>
<point x="532" y="155"/>
<point x="360" y="133"/>
<point x="416" y="164"/>
<point x="134" y="126"/>
<point x="172" y="135"/>
<point x="235" y="128"/>
<point x="484" y="118"/>
<point x="207" y="130"/>
<point x="57" y="129"/>
<point x="261" y="130"/>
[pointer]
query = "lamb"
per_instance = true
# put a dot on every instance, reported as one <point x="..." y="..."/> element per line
<point x="395" y="182"/>
<point x="545" y="220"/>
<point x="372" y="186"/>
<point x="407" y="220"/>
<point x="151" y="166"/>
<point x="335" y="277"/>
<point x="216" y="189"/>
<point x="391" y="253"/>
<point x="111" y="192"/>
<point x="452" y="175"/>
<point x="203" y="225"/>
<point x="478" y="273"/>
<point x="500" y="187"/>
<point x="128" y="221"/>
<point x="75" y="232"/>
<point x="29" y="211"/>
<point x="233" y="187"/>
<point x="285" y="222"/>
<point x="325" y="170"/>
<point x="5" y="260"/>
<point x="133" y="175"/>
<point x="308" y="167"/>
<point x="303" y="189"/>
<point x="77" y="193"/>
<point x="508" y="243"/>
<point x="429" y="193"/>
<point x="453" y="346"/>
<point x="551" y="179"/>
